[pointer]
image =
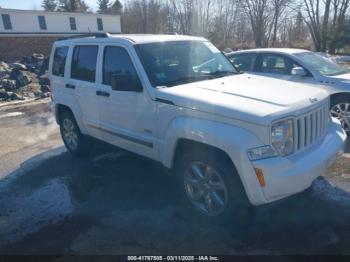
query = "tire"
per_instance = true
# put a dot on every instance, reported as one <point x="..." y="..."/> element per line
<point x="75" y="142"/>
<point x="233" y="206"/>
<point x="340" y="109"/>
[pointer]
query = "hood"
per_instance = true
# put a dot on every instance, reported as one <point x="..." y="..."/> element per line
<point x="339" y="82"/>
<point x="245" y="97"/>
<point x="343" y="78"/>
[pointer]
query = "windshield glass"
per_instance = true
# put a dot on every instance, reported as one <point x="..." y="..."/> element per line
<point x="175" y="63"/>
<point x="323" y="65"/>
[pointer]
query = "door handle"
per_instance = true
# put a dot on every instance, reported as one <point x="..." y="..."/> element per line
<point x="70" y="86"/>
<point x="102" y="93"/>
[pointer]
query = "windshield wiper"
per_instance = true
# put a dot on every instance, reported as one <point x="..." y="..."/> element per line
<point x="222" y="73"/>
<point x="187" y="79"/>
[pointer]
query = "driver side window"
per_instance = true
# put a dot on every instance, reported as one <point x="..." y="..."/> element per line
<point x="276" y="64"/>
<point x="117" y="62"/>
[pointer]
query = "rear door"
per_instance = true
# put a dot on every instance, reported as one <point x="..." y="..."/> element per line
<point x="58" y="75"/>
<point x="244" y="62"/>
<point x="82" y="83"/>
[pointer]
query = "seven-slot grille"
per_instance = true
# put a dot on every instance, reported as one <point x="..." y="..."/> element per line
<point x="310" y="127"/>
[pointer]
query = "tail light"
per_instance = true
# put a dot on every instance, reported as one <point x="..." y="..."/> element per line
<point x="49" y="84"/>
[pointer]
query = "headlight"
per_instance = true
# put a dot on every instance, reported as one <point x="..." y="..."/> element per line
<point x="261" y="153"/>
<point x="282" y="138"/>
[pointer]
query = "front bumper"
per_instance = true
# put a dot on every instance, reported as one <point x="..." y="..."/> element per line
<point x="285" y="176"/>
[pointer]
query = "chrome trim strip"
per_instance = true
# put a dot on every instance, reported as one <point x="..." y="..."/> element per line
<point x="126" y="137"/>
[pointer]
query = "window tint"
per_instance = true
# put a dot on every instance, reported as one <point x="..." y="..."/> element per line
<point x="84" y="63"/>
<point x="180" y="62"/>
<point x="99" y="24"/>
<point x="244" y="62"/>
<point x="321" y="64"/>
<point x="116" y="61"/>
<point x="73" y="25"/>
<point x="42" y="22"/>
<point x="276" y="64"/>
<point x="59" y="61"/>
<point x="6" y="20"/>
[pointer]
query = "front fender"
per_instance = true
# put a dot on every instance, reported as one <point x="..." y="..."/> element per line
<point x="234" y="141"/>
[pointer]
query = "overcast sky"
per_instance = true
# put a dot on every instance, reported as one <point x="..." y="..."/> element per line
<point x="34" y="4"/>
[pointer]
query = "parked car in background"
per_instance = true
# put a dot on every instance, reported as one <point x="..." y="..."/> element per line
<point x="228" y="137"/>
<point x="301" y="66"/>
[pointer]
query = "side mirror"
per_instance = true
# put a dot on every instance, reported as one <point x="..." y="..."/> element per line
<point x="298" y="71"/>
<point x="126" y="82"/>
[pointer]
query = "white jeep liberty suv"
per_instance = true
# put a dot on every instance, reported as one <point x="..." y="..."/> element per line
<point x="229" y="137"/>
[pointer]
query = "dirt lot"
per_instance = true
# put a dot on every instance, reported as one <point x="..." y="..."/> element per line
<point x="112" y="202"/>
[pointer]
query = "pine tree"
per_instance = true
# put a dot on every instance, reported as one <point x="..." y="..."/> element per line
<point x="115" y="8"/>
<point x="49" y="5"/>
<point x="103" y="6"/>
<point x="72" y="6"/>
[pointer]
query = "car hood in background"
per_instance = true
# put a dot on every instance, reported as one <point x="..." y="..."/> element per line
<point x="344" y="78"/>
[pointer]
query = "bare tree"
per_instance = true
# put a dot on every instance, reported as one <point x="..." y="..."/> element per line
<point x="260" y="15"/>
<point x="279" y="7"/>
<point x="318" y="19"/>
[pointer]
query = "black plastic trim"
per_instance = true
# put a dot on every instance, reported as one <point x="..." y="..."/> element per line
<point x="132" y="139"/>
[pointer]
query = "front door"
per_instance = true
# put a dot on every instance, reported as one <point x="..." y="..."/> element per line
<point x="127" y="113"/>
<point x="280" y="67"/>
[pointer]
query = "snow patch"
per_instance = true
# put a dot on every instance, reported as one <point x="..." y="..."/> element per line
<point x="12" y="114"/>
<point x="24" y="214"/>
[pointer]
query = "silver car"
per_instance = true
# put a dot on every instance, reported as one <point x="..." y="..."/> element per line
<point x="301" y="66"/>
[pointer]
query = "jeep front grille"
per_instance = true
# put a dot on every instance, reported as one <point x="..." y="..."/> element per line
<point x="311" y="127"/>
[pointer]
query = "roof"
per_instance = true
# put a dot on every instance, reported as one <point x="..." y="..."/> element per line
<point x="139" y="38"/>
<point x="272" y="50"/>
<point x="42" y="12"/>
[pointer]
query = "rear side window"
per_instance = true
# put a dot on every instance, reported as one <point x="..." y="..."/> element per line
<point x="244" y="62"/>
<point x="59" y="61"/>
<point x="84" y="63"/>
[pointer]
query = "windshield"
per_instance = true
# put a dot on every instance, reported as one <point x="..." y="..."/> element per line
<point x="174" y="63"/>
<point x="320" y="64"/>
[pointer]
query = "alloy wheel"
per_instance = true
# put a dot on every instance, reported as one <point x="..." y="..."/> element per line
<point x="70" y="135"/>
<point x="206" y="189"/>
<point x="341" y="111"/>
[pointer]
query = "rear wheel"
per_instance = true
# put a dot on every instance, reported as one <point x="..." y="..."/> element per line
<point x="211" y="187"/>
<point x="74" y="140"/>
<point x="340" y="109"/>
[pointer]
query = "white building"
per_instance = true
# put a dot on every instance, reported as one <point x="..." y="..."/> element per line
<point x="28" y="22"/>
<point x="24" y="32"/>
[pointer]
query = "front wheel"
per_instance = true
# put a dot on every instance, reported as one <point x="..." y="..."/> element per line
<point x="211" y="187"/>
<point x="340" y="109"/>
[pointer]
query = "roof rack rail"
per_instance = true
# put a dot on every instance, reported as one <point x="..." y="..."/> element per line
<point x="97" y="35"/>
